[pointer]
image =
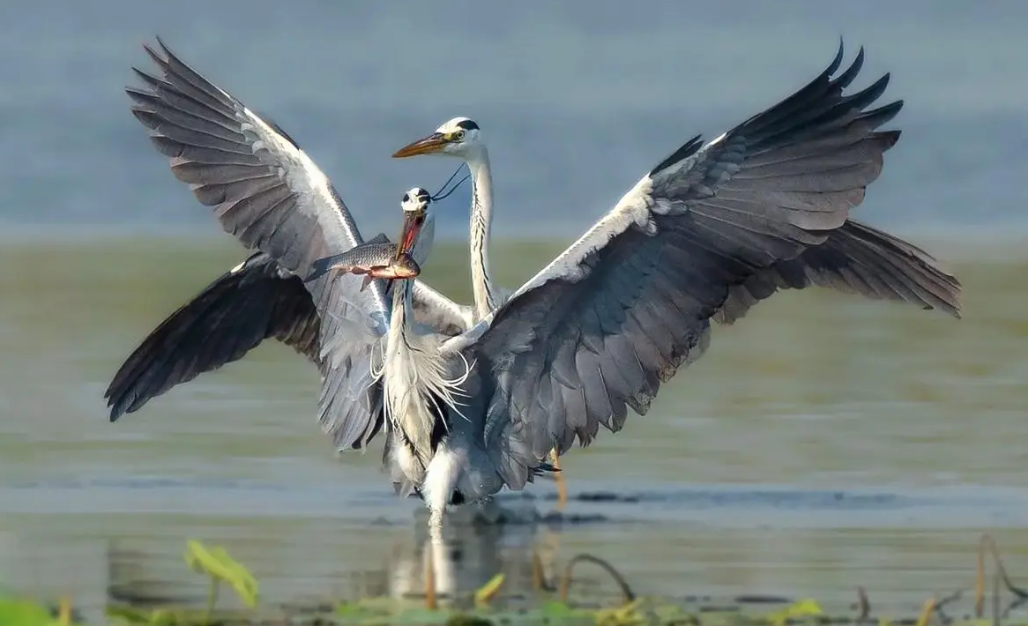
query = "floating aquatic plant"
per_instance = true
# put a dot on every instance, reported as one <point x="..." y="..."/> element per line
<point x="216" y="563"/>
<point x="552" y="605"/>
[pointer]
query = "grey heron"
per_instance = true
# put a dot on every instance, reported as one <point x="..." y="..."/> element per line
<point x="408" y="363"/>
<point x="258" y="299"/>
<point x="764" y="239"/>
<point x="599" y="329"/>
<point x="263" y="296"/>
<point x="268" y="193"/>
<point x="854" y="258"/>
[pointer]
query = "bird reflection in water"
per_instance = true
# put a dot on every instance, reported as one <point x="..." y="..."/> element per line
<point x="296" y="567"/>
<point x="476" y="543"/>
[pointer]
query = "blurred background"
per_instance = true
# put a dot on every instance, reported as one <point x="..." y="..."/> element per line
<point x="824" y="442"/>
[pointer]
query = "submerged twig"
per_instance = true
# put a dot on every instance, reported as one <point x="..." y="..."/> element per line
<point x="979" y="580"/>
<point x="863" y="605"/>
<point x="565" y="583"/>
<point x="1020" y="595"/>
<point x="995" y="594"/>
<point x="539" y="581"/>
<point x="941" y="604"/>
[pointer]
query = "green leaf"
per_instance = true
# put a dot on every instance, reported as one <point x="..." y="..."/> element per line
<point x="623" y="615"/>
<point x="24" y="613"/>
<point x="216" y="563"/>
<point x="800" y="608"/>
<point x="488" y="591"/>
<point x="555" y="608"/>
<point x="418" y="616"/>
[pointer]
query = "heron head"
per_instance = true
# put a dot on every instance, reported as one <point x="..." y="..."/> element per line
<point x="457" y="137"/>
<point x="416" y="205"/>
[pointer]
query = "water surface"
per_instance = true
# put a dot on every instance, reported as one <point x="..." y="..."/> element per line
<point x="824" y="442"/>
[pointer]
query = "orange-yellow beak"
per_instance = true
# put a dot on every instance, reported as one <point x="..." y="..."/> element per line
<point x="426" y="145"/>
<point x="412" y="223"/>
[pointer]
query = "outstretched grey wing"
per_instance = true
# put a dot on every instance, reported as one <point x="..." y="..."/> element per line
<point x="254" y="301"/>
<point x="230" y="317"/>
<point x="859" y="259"/>
<point x="626" y="305"/>
<point x="268" y="193"/>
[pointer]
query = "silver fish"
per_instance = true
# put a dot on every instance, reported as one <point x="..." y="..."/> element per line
<point x="373" y="260"/>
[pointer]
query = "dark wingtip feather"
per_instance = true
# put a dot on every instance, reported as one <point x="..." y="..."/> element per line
<point x="147" y="78"/>
<point x="138" y="95"/>
<point x="684" y="151"/>
<point x="844" y="79"/>
<point x="117" y="407"/>
<point x="231" y="316"/>
<point x="168" y="54"/>
<point x="882" y="114"/>
<point x="122" y="400"/>
<point x="889" y="138"/>
<point x="872" y="93"/>
<point x="147" y="118"/>
<point x="836" y="62"/>
<point x="158" y="59"/>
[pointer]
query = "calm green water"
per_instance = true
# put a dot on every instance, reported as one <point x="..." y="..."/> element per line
<point x="824" y="442"/>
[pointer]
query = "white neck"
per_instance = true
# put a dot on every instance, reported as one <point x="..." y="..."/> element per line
<point x="481" y="222"/>
<point x="400" y="376"/>
<point x="402" y="310"/>
<point x="414" y="374"/>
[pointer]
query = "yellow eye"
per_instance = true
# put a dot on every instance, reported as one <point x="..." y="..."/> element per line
<point x="459" y="135"/>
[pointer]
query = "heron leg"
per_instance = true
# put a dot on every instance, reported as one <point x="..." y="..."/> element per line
<point x="558" y="476"/>
<point x="435" y="534"/>
<point x="431" y="601"/>
<point x="435" y="525"/>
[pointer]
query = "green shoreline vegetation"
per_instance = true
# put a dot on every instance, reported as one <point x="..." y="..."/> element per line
<point x="554" y="604"/>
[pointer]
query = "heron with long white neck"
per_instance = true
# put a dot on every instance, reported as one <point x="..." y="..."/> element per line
<point x="710" y="230"/>
<point x="259" y="299"/>
<point x="264" y="189"/>
<point x="408" y="363"/>
<point x="854" y="258"/>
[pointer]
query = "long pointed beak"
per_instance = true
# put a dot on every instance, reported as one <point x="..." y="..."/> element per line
<point x="412" y="223"/>
<point x="426" y="145"/>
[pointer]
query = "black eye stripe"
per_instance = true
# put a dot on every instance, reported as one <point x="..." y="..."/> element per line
<point x="467" y="125"/>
